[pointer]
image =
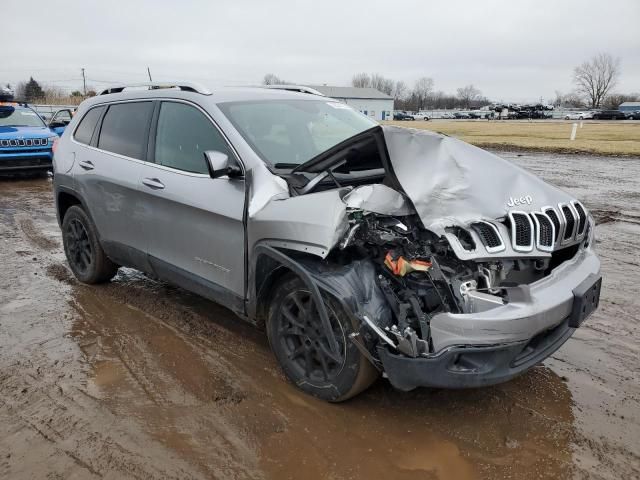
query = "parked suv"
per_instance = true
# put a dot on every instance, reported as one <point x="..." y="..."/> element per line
<point x="26" y="142"/>
<point x="361" y="249"/>
<point x="608" y="115"/>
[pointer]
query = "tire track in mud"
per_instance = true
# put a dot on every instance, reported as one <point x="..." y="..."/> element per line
<point x="34" y="236"/>
<point x="74" y="429"/>
<point x="71" y="427"/>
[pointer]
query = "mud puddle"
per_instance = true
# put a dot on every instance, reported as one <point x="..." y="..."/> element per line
<point x="137" y="379"/>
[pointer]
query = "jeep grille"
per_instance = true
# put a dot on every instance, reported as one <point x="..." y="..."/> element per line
<point x="27" y="142"/>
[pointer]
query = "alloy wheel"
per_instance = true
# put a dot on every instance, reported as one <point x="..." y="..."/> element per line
<point x="304" y="340"/>
<point x="79" y="246"/>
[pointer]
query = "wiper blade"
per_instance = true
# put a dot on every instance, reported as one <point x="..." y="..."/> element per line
<point x="286" y="165"/>
<point x="311" y="184"/>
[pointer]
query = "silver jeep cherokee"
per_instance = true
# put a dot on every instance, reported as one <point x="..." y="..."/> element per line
<point x="361" y="249"/>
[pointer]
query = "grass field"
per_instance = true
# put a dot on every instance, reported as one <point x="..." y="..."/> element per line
<point x="611" y="138"/>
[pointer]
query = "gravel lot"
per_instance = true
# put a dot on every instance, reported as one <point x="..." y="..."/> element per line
<point x="137" y="379"/>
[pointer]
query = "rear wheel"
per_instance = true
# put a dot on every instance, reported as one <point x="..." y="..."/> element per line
<point x="86" y="258"/>
<point x="301" y="346"/>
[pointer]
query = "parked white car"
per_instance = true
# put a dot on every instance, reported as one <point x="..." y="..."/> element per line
<point x="578" y="116"/>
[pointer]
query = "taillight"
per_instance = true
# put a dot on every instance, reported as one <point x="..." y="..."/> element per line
<point x="55" y="145"/>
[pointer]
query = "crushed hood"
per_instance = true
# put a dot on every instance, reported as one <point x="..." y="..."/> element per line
<point x="446" y="178"/>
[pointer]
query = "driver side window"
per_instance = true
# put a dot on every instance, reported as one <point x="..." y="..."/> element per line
<point x="183" y="134"/>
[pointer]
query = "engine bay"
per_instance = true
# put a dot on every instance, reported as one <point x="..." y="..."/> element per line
<point x="421" y="276"/>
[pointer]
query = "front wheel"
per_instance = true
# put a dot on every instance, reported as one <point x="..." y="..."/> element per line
<point x="301" y="346"/>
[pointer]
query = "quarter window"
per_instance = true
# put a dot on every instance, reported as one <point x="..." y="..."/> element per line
<point x="84" y="132"/>
<point x="124" y="129"/>
<point x="184" y="133"/>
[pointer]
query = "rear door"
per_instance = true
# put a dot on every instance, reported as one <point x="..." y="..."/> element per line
<point x="196" y="223"/>
<point x="107" y="173"/>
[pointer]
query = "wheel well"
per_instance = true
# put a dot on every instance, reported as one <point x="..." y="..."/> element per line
<point x="65" y="201"/>
<point x="268" y="273"/>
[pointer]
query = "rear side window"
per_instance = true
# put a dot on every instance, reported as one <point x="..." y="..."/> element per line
<point x="84" y="132"/>
<point x="124" y="129"/>
<point x="184" y="133"/>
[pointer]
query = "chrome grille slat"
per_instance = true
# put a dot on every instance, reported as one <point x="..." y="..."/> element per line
<point x="569" y="222"/>
<point x="582" y="218"/>
<point x="553" y="215"/>
<point x="522" y="231"/>
<point x="545" y="231"/>
<point x="489" y="235"/>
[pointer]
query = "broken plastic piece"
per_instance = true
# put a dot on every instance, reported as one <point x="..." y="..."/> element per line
<point x="401" y="266"/>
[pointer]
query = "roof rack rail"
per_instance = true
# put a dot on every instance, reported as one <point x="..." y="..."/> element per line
<point x="185" y="86"/>
<point x="295" y="88"/>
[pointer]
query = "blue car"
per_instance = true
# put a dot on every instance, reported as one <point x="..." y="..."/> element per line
<point x="26" y="141"/>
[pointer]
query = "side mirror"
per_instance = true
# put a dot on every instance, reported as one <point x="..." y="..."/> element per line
<point x="57" y="124"/>
<point x="220" y="165"/>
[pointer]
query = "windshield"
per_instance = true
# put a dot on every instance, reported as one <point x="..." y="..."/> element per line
<point x="287" y="133"/>
<point x="19" y="117"/>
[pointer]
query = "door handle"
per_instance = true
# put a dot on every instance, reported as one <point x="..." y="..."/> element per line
<point x="153" y="183"/>
<point x="86" y="164"/>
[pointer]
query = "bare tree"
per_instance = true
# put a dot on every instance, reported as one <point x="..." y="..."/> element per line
<point x="361" y="80"/>
<point x="399" y="90"/>
<point x="381" y="83"/>
<point x="596" y="77"/>
<point x="422" y="89"/>
<point x="271" y="79"/>
<point x="557" y="102"/>
<point x="613" y="101"/>
<point x="468" y="94"/>
<point x="573" y="99"/>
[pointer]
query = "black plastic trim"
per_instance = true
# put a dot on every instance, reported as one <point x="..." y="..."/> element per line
<point x="472" y="366"/>
<point x="299" y="270"/>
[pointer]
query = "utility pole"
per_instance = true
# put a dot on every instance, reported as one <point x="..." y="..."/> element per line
<point x="84" y="83"/>
<point x="149" y="72"/>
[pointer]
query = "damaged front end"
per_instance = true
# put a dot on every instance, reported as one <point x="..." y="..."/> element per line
<point x="453" y="322"/>
<point x="451" y="286"/>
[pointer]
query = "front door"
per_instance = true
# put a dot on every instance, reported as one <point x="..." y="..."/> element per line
<point x="195" y="228"/>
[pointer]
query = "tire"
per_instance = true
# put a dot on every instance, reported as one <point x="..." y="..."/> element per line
<point x="84" y="253"/>
<point x="297" y="340"/>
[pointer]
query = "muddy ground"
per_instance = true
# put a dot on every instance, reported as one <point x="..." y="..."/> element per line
<point x="136" y="379"/>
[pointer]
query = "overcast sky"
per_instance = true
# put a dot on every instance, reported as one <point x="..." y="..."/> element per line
<point x="510" y="50"/>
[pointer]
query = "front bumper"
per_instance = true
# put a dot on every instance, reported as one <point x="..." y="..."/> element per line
<point x="494" y="346"/>
<point x="536" y="308"/>
<point x="20" y="161"/>
<point x="472" y="366"/>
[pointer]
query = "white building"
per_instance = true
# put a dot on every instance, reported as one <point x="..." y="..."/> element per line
<point x="629" y="106"/>
<point x="369" y="101"/>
